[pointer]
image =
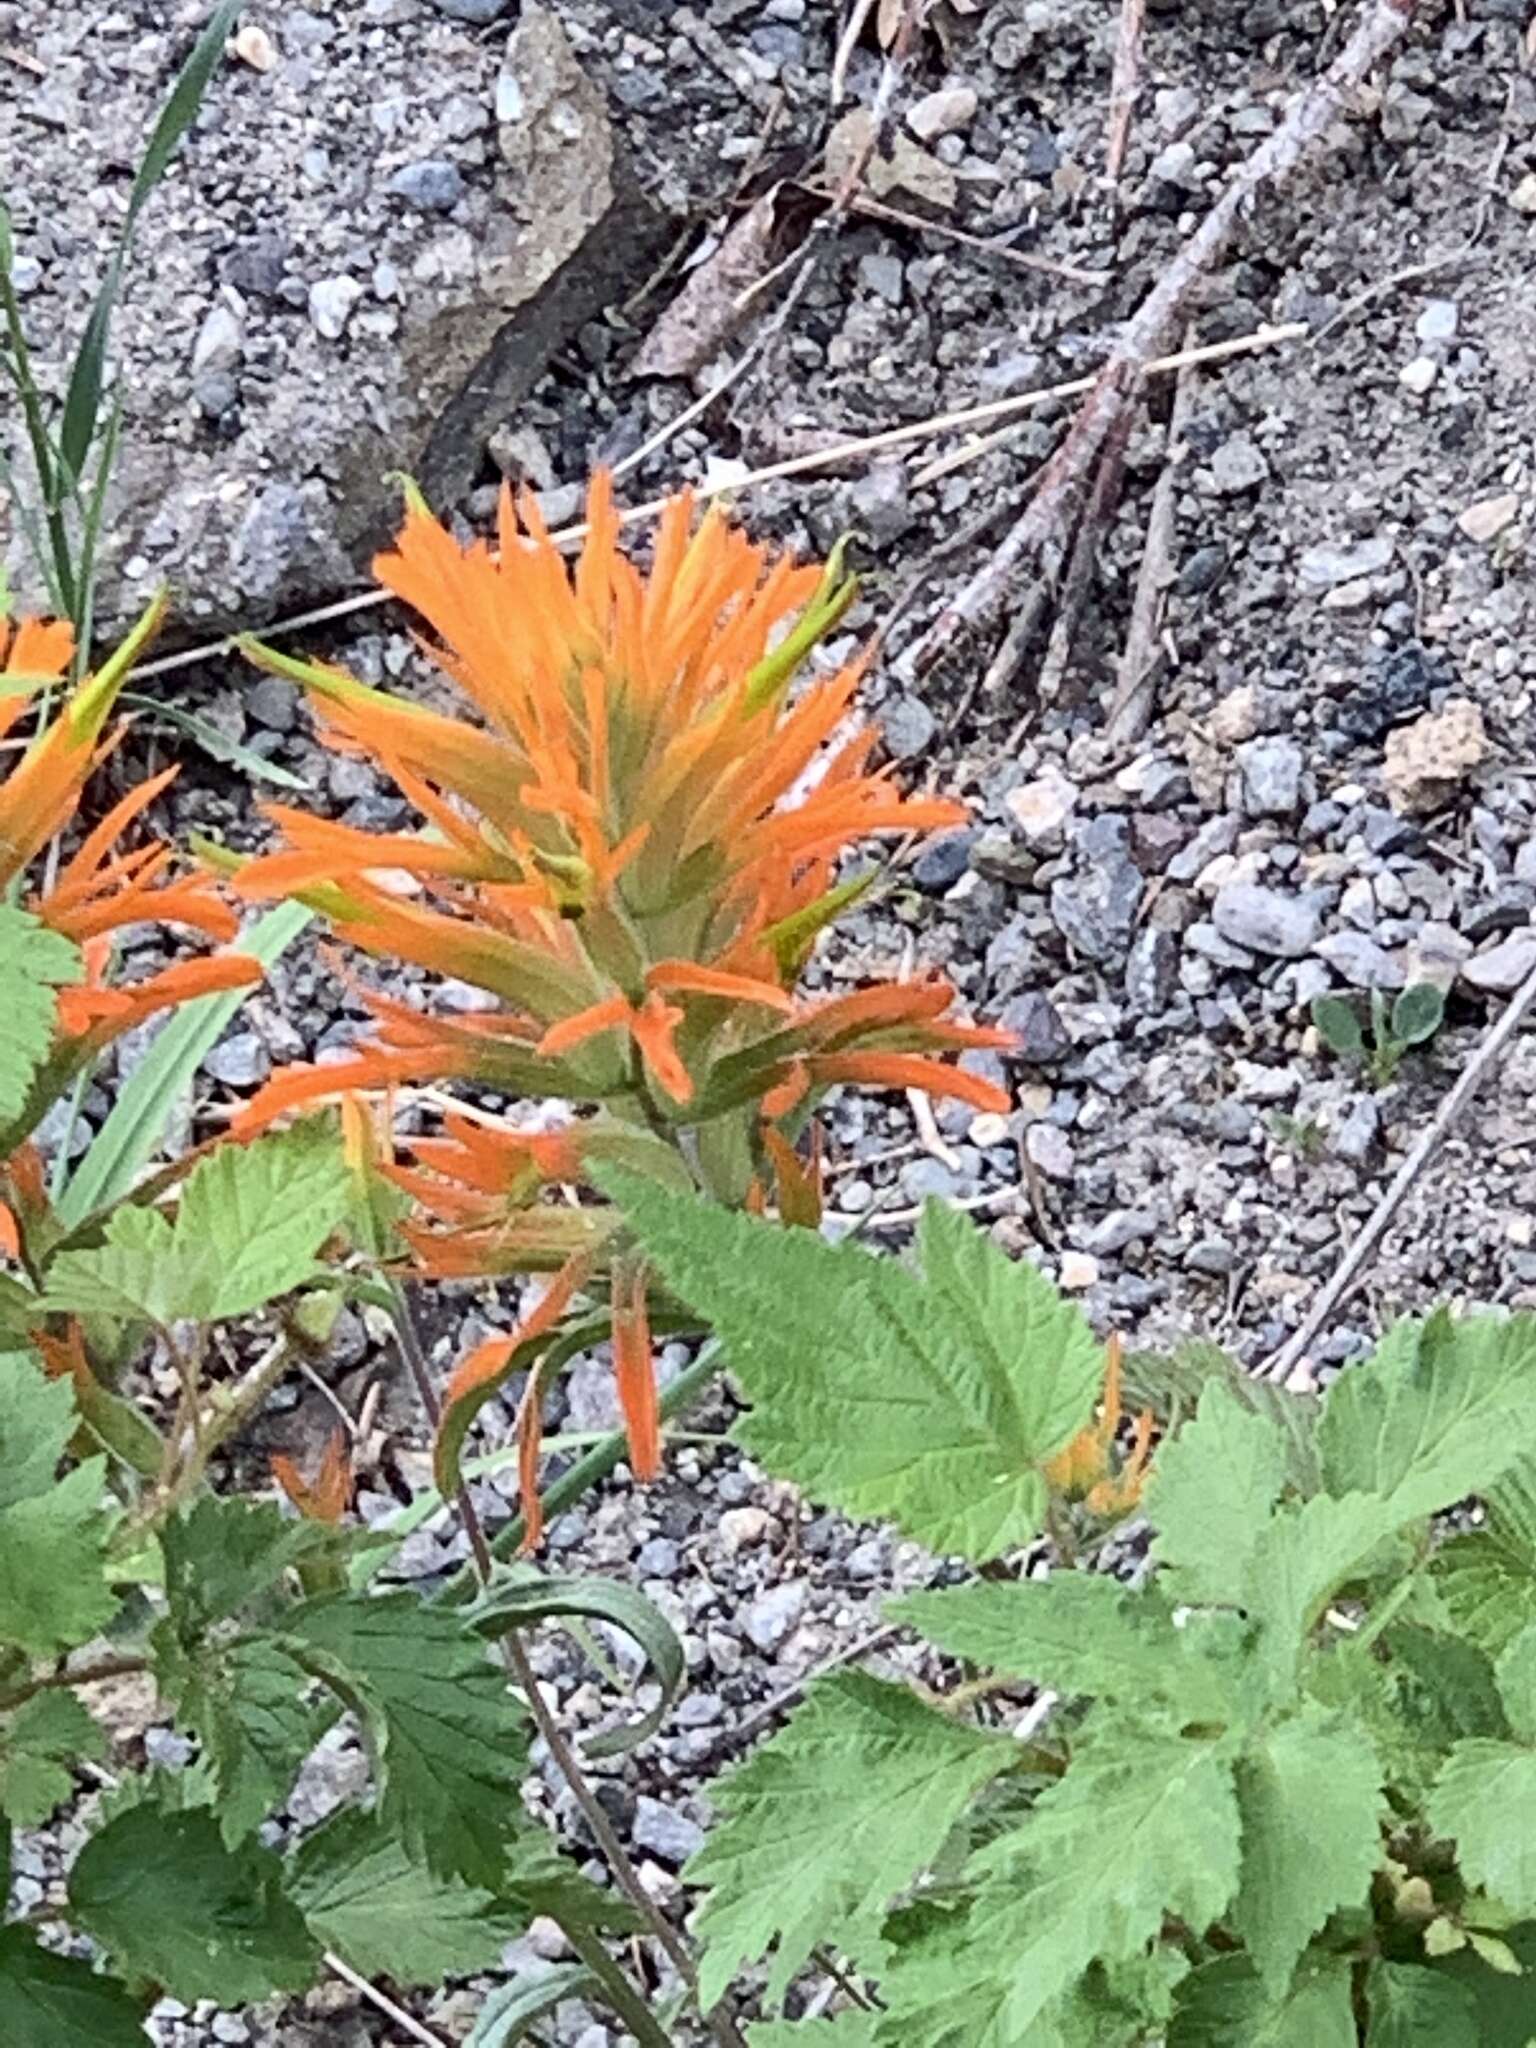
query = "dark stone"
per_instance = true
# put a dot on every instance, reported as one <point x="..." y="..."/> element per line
<point x="1042" y="1037"/>
<point x="1095" y="908"/>
<point x="942" y="862"/>
<point x="1396" y="685"/>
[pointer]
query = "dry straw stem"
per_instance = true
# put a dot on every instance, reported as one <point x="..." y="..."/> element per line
<point x="1352" y="1265"/>
<point x="1068" y="477"/>
<point x="835" y="454"/>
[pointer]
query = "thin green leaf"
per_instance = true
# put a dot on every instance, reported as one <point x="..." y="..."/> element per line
<point x="1212" y="1491"/>
<point x="1338" y="1024"/>
<point x="515" y="1602"/>
<point x="218" y="746"/>
<point x="1418" y="1013"/>
<point x="507" y="2014"/>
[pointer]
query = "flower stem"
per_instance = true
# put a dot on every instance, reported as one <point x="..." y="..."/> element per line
<point x="81" y="1674"/>
<point x="719" y="2022"/>
<point x="627" y="2003"/>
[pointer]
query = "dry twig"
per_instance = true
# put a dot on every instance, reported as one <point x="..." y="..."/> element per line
<point x="1124" y="85"/>
<point x="1068" y="478"/>
<point x="1130" y="711"/>
<point x="1352" y="1265"/>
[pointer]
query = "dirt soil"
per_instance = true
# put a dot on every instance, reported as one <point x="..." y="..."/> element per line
<point x="1352" y="521"/>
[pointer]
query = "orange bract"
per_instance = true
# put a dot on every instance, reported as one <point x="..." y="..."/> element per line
<point x="630" y="846"/>
<point x="100" y="889"/>
<point x="1085" y="1470"/>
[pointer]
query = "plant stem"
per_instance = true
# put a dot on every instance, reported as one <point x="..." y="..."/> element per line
<point x="627" y="2003"/>
<point x="83" y="1674"/>
<point x="719" y="2022"/>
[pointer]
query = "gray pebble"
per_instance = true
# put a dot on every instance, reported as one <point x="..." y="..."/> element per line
<point x="1271" y="771"/>
<point x="1120" y="1228"/>
<point x="1331" y="563"/>
<point x="1268" y="921"/>
<point x="658" y="1559"/>
<point x="1095" y="908"/>
<point x="476" y="12"/>
<point x="434" y="185"/>
<point x="942" y="862"/>
<point x="331" y="300"/>
<point x="1361" y="962"/>
<point x="1041" y="1035"/>
<point x="664" y="1832"/>
<point x="1238" y="465"/>
<point x="273" y="703"/>
<point x="1356" y="1135"/>
<point x="240" y="1062"/>
<point x="772" y="1615"/>
<point x="1151" y="970"/>
<point x="1503" y="967"/>
<point x="907" y="725"/>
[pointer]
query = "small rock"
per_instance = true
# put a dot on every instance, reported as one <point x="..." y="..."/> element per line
<point x="1488" y="517"/>
<point x="1361" y="962"/>
<point x="1212" y="1256"/>
<point x="663" y="1832"/>
<point x="1271" y="771"/>
<point x="1523" y="198"/>
<point x="1078" y="1271"/>
<point x="1331" y="563"/>
<point x="331" y="303"/>
<point x="240" y="1062"/>
<point x="1426" y="761"/>
<point x="1438" y="321"/>
<point x="1041" y="1035"/>
<point x="253" y="46"/>
<point x="1202" y="571"/>
<point x="476" y="12"/>
<point x="434" y="185"/>
<point x="1356" y="1135"/>
<point x="908" y="726"/>
<point x="1267" y="920"/>
<point x="942" y="862"/>
<point x="1095" y="908"/>
<point x="1395" y="685"/>
<point x="1217" y="836"/>
<point x="1049" y="1148"/>
<point x="1041" y="809"/>
<point x="1436" y="954"/>
<point x="884" y="276"/>
<point x="1500" y="969"/>
<point x="1120" y="1229"/>
<point x="744" y="1528"/>
<point x="772" y="1615"/>
<point x="988" y="1130"/>
<point x="1238" y="465"/>
<point x="1151" y="970"/>
<point x="1419" y="375"/>
<point x="882" y="503"/>
<point x="942" y="113"/>
<point x="220" y="342"/>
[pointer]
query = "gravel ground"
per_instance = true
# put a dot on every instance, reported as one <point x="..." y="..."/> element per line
<point x="1352" y="521"/>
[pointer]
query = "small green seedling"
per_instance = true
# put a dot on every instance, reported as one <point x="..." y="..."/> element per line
<point x="1382" y="1035"/>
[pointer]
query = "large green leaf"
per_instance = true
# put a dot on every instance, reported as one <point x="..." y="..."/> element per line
<point x="1412" y="2007"/>
<point x="34" y="962"/>
<point x="387" y="1914"/>
<point x="222" y="1553"/>
<point x="848" y="2030"/>
<point x="168" y="1901"/>
<point x="39" y="1745"/>
<point x="1212" y="1490"/>
<point x="1143" y="1825"/>
<point x="249" y="1223"/>
<point x="1303" y="1857"/>
<point x="1482" y="1801"/>
<point x="449" y="1742"/>
<point x="1302" y="1555"/>
<point x="1081" y="1632"/>
<point x="1440" y="1410"/>
<point x="53" y="1590"/>
<point x="873" y="1386"/>
<point x="828" y="1821"/>
<point x="249" y="1702"/>
<point x="1225" y="2005"/>
<point x="53" y="2001"/>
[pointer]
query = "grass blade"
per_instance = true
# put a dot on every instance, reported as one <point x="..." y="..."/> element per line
<point x="82" y="403"/>
<point x="133" y="1131"/>
<point x="217" y="745"/>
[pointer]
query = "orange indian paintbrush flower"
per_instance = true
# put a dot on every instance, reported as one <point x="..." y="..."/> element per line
<point x="631" y="848"/>
<point x="100" y="888"/>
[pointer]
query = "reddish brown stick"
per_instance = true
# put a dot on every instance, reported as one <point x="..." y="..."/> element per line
<point x="1067" y="476"/>
<point x="1123" y="86"/>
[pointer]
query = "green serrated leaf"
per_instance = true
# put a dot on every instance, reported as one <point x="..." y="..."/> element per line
<point x="1225" y="2005"/>
<point x="1445" y="1687"/>
<point x="221" y="1554"/>
<point x="169" y="1902"/>
<point x="37" y="1420"/>
<point x="1078" y="1632"/>
<point x="916" y="1413"/>
<point x="1439" y="1411"/>
<point x="39" y="1744"/>
<point x="1486" y="1589"/>
<point x="1170" y="1383"/>
<point x="249" y="1704"/>
<point x="827" y="1822"/>
<point x="1140" y="1827"/>
<point x="1210" y="1496"/>
<point x="248" y="1225"/>
<point x="1516" y="1675"/>
<point x="34" y="962"/>
<point x="387" y="1914"/>
<point x="1503" y="2004"/>
<point x="848" y="2030"/>
<point x="449" y="1742"/>
<point x="53" y="2001"/>
<point x="1302" y="1858"/>
<point x="53" y="1589"/>
<point x="1302" y="1556"/>
<point x="1479" y="1802"/>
